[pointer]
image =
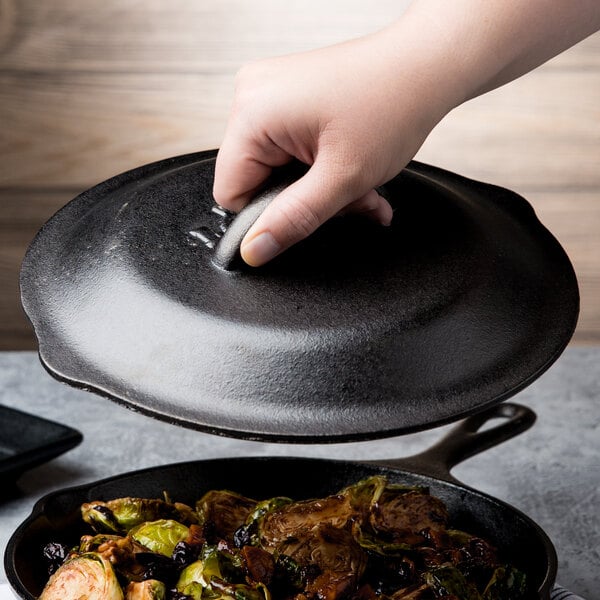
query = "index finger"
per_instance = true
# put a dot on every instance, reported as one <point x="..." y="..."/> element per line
<point x="242" y="165"/>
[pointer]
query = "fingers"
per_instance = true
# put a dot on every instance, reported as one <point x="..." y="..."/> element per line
<point x="372" y="206"/>
<point x="301" y="209"/>
<point x="242" y="165"/>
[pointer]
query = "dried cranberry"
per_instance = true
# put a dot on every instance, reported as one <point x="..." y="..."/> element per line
<point x="157" y="566"/>
<point x="184" y="554"/>
<point x="54" y="555"/>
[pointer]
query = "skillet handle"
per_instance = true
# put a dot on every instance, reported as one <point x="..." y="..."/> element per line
<point x="227" y="251"/>
<point x="466" y="440"/>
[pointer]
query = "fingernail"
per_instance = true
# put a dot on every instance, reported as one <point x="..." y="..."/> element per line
<point x="260" y="249"/>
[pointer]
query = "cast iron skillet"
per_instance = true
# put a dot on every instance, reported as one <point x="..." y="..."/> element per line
<point x="518" y="538"/>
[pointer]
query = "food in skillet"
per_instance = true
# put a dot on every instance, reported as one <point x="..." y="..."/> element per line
<point x="372" y="540"/>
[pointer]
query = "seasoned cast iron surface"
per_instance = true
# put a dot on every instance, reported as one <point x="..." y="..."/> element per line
<point x="358" y="332"/>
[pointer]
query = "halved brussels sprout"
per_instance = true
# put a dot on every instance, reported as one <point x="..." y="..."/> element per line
<point x="222" y="513"/>
<point x="151" y="589"/>
<point x="292" y="520"/>
<point x="190" y="581"/>
<point x="247" y="534"/>
<point x="88" y="576"/>
<point x="195" y="578"/>
<point x="121" y="514"/>
<point x="198" y="575"/>
<point x="160" y="536"/>
<point x="402" y="515"/>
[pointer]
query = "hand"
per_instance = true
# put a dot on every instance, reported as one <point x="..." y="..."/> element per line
<point x="339" y="110"/>
<point x="359" y="111"/>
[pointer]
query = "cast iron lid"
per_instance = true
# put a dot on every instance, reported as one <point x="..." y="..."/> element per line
<point x="360" y="331"/>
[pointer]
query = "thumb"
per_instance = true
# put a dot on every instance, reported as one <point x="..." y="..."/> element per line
<point x="296" y="212"/>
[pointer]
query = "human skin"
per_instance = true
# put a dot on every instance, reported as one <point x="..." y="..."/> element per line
<point x="359" y="111"/>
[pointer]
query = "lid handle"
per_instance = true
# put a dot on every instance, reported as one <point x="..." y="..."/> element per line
<point x="227" y="252"/>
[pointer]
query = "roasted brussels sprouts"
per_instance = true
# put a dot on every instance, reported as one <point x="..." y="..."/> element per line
<point x="199" y="575"/>
<point x="222" y="513"/>
<point x="191" y="582"/>
<point x="120" y="515"/>
<point x="373" y="540"/>
<point x="402" y="515"/>
<point x="88" y="575"/>
<point x="160" y="536"/>
<point x="204" y="579"/>
<point x="284" y="522"/>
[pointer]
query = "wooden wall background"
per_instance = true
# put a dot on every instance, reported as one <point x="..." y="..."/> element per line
<point x="91" y="89"/>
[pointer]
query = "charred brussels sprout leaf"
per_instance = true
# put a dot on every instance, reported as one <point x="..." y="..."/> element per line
<point x="87" y="576"/>
<point x="91" y="543"/>
<point x="288" y="569"/>
<point x="151" y="589"/>
<point x="239" y="591"/>
<point x="371" y="543"/>
<point x="449" y="581"/>
<point x="160" y="536"/>
<point x="363" y="494"/>
<point x="367" y="492"/>
<point x="506" y="583"/>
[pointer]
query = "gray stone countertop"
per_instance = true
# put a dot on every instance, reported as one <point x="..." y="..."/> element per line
<point x="551" y="472"/>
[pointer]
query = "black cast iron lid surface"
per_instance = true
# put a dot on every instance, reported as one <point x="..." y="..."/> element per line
<point x="360" y="331"/>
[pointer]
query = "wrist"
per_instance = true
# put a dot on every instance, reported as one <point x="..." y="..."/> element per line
<point x="426" y="65"/>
